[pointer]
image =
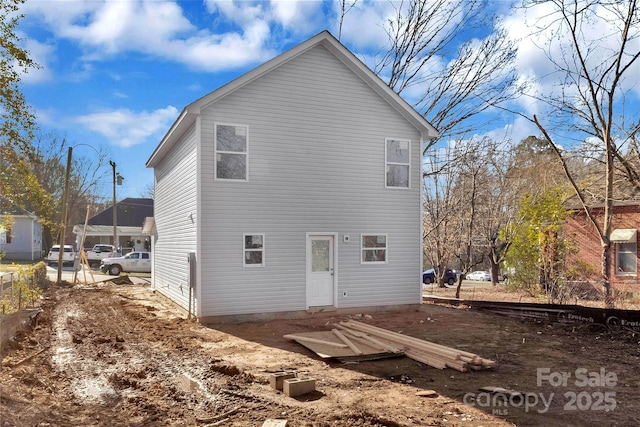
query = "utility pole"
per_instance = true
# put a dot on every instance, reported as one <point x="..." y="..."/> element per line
<point x="115" y="211"/>
<point x="64" y="216"/>
<point x="117" y="179"/>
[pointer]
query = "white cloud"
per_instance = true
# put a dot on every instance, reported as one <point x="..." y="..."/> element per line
<point x="540" y="35"/>
<point x="234" y="33"/>
<point x="299" y="16"/>
<point x="228" y="51"/>
<point x="42" y="54"/>
<point x="125" y="128"/>
<point x="242" y="13"/>
<point x="515" y="132"/>
<point x="157" y="29"/>
<point x="194" y="87"/>
<point x="363" y="24"/>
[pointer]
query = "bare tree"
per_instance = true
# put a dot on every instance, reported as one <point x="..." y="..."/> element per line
<point x="440" y="210"/>
<point x="86" y="177"/>
<point x="149" y="191"/>
<point x="468" y="186"/>
<point x="497" y="207"/>
<point x="480" y="74"/>
<point x="590" y="104"/>
<point x="472" y="195"/>
<point x="345" y="7"/>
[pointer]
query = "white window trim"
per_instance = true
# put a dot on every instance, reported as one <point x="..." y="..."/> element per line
<point x="626" y="273"/>
<point x="216" y="152"/>
<point x="244" y="250"/>
<point x="386" y="249"/>
<point x="387" y="163"/>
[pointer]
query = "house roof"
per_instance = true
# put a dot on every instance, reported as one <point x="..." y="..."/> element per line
<point x="190" y="112"/>
<point x="623" y="195"/>
<point x="107" y="230"/>
<point x="18" y="213"/>
<point x="131" y="212"/>
<point x="8" y="208"/>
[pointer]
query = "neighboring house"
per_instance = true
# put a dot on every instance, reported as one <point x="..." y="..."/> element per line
<point x="130" y="215"/>
<point x="296" y="186"/>
<point x="624" y="239"/>
<point x="21" y="236"/>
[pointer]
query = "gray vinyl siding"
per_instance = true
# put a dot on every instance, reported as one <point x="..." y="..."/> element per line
<point x="175" y="219"/>
<point x="316" y="164"/>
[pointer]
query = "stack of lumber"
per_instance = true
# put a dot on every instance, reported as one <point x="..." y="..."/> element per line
<point x="429" y="353"/>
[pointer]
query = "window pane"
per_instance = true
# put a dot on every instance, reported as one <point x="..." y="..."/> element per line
<point x="397" y="176"/>
<point x="375" y="255"/>
<point x="397" y="151"/>
<point x="320" y="255"/>
<point x="626" y="263"/>
<point x="626" y="258"/>
<point x="253" y="242"/>
<point x="627" y="247"/>
<point x="374" y="241"/>
<point x="231" y="166"/>
<point x="253" y="257"/>
<point x="231" y="138"/>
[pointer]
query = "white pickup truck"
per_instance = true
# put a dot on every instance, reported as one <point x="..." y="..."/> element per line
<point x="100" y="252"/>
<point x="68" y="255"/>
<point x="133" y="262"/>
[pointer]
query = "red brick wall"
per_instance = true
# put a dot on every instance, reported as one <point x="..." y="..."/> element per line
<point x="583" y="235"/>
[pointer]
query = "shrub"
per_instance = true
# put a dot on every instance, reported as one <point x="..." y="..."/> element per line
<point x="26" y="288"/>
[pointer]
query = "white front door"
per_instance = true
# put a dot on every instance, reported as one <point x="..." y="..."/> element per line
<point x="320" y="270"/>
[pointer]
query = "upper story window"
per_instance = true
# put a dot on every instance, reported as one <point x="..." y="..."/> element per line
<point x="374" y="248"/>
<point x="397" y="163"/>
<point x="253" y="250"/>
<point x="231" y="152"/>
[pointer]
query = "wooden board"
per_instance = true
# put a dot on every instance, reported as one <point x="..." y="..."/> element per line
<point x="342" y="352"/>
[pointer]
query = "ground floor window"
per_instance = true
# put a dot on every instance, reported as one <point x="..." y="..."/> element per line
<point x="626" y="258"/>
<point x="253" y="250"/>
<point x="5" y="235"/>
<point x="374" y="248"/>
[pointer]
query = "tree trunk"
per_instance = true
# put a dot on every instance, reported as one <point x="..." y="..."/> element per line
<point x="459" y="286"/>
<point x="495" y="267"/>
<point x="606" y="282"/>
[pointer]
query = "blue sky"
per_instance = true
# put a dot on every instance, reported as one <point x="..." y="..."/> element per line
<point x="116" y="74"/>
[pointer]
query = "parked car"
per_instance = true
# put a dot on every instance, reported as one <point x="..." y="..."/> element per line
<point x="133" y="262"/>
<point x="479" y="275"/>
<point x="429" y="276"/>
<point x="100" y="251"/>
<point x="68" y="256"/>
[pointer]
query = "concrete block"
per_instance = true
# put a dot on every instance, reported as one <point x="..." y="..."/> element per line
<point x="277" y="378"/>
<point x="299" y="386"/>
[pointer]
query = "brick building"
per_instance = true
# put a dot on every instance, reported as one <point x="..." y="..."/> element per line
<point x="624" y="239"/>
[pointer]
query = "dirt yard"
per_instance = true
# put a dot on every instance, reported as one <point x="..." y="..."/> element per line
<point x="120" y="355"/>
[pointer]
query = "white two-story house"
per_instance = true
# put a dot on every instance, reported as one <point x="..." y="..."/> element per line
<point x="295" y="187"/>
